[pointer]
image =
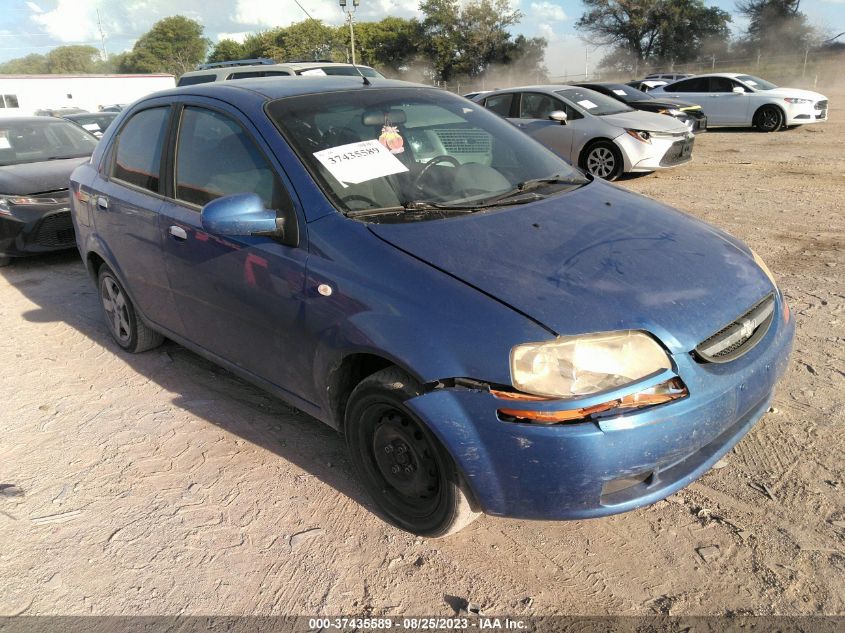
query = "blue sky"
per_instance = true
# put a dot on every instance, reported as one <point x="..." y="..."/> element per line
<point x="36" y="26"/>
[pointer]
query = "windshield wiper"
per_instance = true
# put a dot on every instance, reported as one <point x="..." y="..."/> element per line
<point x="508" y="197"/>
<point x="413" y="206"/>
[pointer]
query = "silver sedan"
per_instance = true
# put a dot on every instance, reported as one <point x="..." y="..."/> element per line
<point x="600" y="135"/>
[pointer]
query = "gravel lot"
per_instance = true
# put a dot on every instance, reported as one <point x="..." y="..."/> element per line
<point x="161" y="484"/>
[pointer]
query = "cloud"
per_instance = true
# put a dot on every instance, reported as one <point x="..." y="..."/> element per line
<point x="70" y="21"/>
<point x="239" y="37"/>
<point x="548" y="11"/>
<point x="546" y="31"/>
<point x="267" y="15"/>
<point x="34" y="7"/>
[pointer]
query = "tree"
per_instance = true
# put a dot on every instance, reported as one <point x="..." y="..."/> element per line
<point x="390" y="45"/>
<point x="73" y="59"/>
<point x="173" y="45"/>
<point x="307" y="40"/>
<point x="464" y="40"/>
<point x="226" y="50"/>
<point x="653" y="31"/>
<point x="775" y="26"/>
<point x="33" y="64"/>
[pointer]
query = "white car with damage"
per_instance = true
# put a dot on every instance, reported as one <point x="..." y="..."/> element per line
<point x="602" y="136"/>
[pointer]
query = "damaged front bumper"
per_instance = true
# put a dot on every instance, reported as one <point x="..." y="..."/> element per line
<point x="613" y="464"/>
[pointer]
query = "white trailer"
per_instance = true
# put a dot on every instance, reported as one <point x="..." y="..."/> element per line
<point x="24" y="95"/>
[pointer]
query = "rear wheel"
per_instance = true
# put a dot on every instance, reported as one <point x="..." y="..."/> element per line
<point x="768" y="118"/>
<point x="603" y="160"/>
<point x="125" y="326"/>
<point x="405" y="469"/>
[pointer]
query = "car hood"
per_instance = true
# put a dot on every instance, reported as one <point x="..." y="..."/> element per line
<point x="595" y="259"/>
<point x="651" y="121"/>
<point x="793" y="92"/>
<point x="34" y="178"/>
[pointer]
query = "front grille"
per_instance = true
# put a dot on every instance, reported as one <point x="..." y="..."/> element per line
<point x="55" y="231"/>
<point x="464" y="141"/>
<point x="678" y="152"/>
<point x="739" y="336"/>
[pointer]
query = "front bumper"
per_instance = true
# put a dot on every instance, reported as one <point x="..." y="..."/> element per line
<point x="802" y="113"/>
<point x="610" y="465"/>
<point x="34" y="229"/>
<point x="661" y="153"/>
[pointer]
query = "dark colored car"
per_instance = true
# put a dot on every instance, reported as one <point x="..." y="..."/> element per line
<point x="37" y="155"/>
<point x="96" y="123"/>
<point x="688" y="113"/>
<point x="491" y="330"/>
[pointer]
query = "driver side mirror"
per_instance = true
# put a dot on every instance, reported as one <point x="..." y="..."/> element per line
<point x="738" y="90"/>
<point x="243" y="214"/>
<point x="558" y="115"/>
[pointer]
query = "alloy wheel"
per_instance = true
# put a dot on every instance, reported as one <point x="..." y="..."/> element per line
<point x="601" y="162"/>
<point x="117" y="313"/>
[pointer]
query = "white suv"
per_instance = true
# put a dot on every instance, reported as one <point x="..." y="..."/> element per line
<point x="225" y="71"/>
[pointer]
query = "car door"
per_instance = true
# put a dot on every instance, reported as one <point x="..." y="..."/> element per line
<point x="240" y="298"/>
<point x="532" y="117"/>
<point x="126" y="197"/>
<point x="727" y="106"/>
<point x="695" y="89"/>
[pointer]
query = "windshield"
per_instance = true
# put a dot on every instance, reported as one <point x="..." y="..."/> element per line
<point x="593" y="102"/>
<point x="756" y="82"/>
<point x="374" y="148"/>
<point x="33" y="141"/>
<point x="627" y="93"/>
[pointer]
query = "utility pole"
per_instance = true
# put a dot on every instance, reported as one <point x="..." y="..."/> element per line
<point x="350" y="18"/>
<point x="102" y="36"/>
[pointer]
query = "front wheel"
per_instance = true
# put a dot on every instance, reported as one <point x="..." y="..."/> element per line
<point x="125" y="326"/>
<point x="405" y="469"/>
<point x="768" y="118"/>
<point x="603" y="160"/>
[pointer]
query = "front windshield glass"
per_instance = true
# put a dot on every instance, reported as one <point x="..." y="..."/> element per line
<point x="756" y="82"/>
<point x="593" y="102"/>
<point x="372" y="148"/>
<point x="33" y="141"/>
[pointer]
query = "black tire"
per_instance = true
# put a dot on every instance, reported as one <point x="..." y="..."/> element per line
<point x="125" y="326"/>
<point x="404" y="468"/>
<point x="603" y="160"/>
<point x="769" y="118"/>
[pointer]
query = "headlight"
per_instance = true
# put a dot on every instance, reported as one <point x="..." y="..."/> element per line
<point x="675" y="112"/>
<point x="759" y="261"/>
<point x="640" y="135"/>
<point x="796" y="100"/>
<point x="4" y="206"/>
<point x="573" y="366"/>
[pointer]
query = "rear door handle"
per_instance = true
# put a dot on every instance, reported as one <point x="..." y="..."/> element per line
<point x="103" y="203"/>
<point x="178" y="232"/>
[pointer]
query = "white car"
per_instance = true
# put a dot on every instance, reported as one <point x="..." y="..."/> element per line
<point x="600" y="135"/>
<point x="734" y="99"/>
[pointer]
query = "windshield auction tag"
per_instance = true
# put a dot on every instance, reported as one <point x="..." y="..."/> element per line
<point x="4" y="140"/>
<point x="587" y="104"/>
<point x="313" y="71"/>
<point x="359" y="162"/>
<point x="621" y="93"/>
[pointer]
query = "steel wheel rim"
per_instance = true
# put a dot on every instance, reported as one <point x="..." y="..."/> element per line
<point x="601" y="162"/>
<point x="116" y="310"/>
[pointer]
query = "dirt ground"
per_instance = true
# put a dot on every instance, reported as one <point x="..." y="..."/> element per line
<point x="161" y="484"/>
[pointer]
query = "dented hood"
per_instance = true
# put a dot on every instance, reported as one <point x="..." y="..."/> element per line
<point x="594" y="259"/>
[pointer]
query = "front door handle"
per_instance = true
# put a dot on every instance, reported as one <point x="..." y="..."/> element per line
<point x="103" y="203"/>
<point x="179" y="233"/>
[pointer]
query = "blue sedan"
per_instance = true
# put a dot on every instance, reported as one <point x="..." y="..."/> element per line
<point x="490" y="329"/>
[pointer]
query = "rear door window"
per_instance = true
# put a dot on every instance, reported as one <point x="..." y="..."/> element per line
<point x="696" y="84"/>
<point x="137" y="159"/>
<point x="500" y="104"/>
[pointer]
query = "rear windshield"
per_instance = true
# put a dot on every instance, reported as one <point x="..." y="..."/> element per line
<point x="191" y="80"/>
<point x="36" y="141"/>
<point x="593" y="102"/>
<point x="339" y="70"/>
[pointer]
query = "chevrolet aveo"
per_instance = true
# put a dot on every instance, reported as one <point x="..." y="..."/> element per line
<point x="490" y="329"/>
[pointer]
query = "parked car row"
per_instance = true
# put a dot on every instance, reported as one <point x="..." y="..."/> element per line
<point x="492" y="329"/>
<point x="608" y="129"/>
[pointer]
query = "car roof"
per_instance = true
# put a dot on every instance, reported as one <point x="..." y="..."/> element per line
<point x="268" y="88"/>
<point x="29" y="119"/>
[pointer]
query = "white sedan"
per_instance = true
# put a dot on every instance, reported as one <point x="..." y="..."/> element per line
<point x="600" y="135"/>
<point x="737" y="100"/>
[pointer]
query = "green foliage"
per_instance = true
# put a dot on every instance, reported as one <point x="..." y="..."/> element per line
<point x="33" y="64"/>
<point x="465" y="40"/>
<point x="307" y="40"/>
<point x="654" y="31"/>
<point x="72" y="59"/>
<point x="390" y="45"/>
<point x="775" y="26"/>
<point x="173" y="45"/>
<point x="226" y="50"/>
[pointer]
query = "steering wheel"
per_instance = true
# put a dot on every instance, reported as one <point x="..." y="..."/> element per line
<point x="442" y="158"/>
<point x="354" y="196"/>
